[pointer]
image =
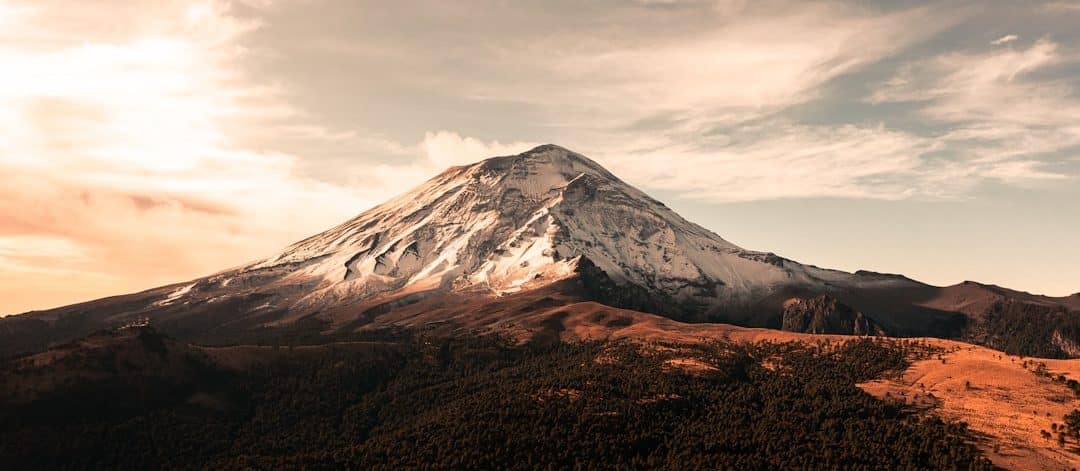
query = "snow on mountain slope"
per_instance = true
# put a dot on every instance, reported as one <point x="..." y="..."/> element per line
<point x="517" y="222"/>
<point x="544" y="221"/>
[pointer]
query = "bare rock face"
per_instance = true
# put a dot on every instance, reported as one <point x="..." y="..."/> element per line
<point x="1068" y="346"/>
<point x="826" y="315"/>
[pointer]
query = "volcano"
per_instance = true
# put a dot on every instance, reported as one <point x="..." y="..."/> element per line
<point x="478" y="244"/>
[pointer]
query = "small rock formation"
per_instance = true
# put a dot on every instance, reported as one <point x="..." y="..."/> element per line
<point x="1070" y="347"/>
<point x="826" y="315"/>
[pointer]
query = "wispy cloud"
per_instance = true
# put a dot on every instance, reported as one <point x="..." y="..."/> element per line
<point x="1001" y="108"/>
<point x="444" y="149"/>
<point x="1071" y="6"/>
<point x="1008" y="38"/>
<point x="733" y="64"/>
<point x="153" y="140"/>
<point x="116" y="145"/>
<point x="435" y="153"/>
<point x="705" y="98"/>
<point x="785" y="160"/>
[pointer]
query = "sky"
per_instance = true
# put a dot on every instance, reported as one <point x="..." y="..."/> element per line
<point x="152" y="142"/>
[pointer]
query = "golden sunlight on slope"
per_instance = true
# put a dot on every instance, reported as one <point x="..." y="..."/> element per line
<point x="1000" y="397"/>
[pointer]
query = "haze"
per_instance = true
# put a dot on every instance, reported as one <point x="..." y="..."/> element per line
<point x="149" y="142"/>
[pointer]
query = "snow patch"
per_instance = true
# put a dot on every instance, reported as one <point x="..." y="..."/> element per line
<point x="175" y="295"/>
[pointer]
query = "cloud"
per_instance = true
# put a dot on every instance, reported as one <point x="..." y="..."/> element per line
<point x="729" y="64"/>
<point x="1004" y="39"/>
<point x="117" y="158"/>
<point x="435" y="153"/>
<point x="994" y="85"/>
<point x="38" y="268"/>
<point x="1069" y="6"/>
<point x="140" y="149"/>
<point x="999" y="117"/>
<point x="682" y="96"/>
<point x="28" y="251"/>
<point x="444" y="149"/>
<point x="1001" y="108"/>
<point x="780" y="159"/>
<point x="619" y="82"/>
<point x="144" y="142"/>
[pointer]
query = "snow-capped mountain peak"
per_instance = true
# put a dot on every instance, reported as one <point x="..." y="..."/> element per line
<point x="501" y="225"/>
<point x="513" y="223"/>
<point x="513" y="245"/>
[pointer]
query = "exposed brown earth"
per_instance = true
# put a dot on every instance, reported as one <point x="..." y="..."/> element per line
<point x="998" y="396"/>
<point x="555" y="313"/>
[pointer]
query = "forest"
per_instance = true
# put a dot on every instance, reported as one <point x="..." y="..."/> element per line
<point x="1028" y="330"/>
<point x="479" y="402"/>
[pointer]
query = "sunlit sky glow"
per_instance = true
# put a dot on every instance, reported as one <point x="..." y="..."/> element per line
<point x="150" y="142"/>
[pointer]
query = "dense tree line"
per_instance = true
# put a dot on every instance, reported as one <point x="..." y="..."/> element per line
<point x="480" y="403"/>
<point x="1028" y="329"/>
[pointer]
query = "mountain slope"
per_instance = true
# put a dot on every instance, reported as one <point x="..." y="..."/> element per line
<point x="513" y="223"/>
<point x="548" y="218"/>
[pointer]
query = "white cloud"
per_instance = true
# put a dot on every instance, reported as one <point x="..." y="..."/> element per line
<point x="144" y="145"/>
<point x="444" y="149"/>
<point x="1008" y="38"/>
<point x="784" y="160"/>
<point x="999" y="111"/>
<point x="737" y="64"/>
<point x="435" y="153"/>
<point x="116" y="144"/>
<point x="673" y="110"/>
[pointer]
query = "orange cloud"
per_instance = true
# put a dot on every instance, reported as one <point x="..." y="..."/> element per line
<point x="116" y="168"/>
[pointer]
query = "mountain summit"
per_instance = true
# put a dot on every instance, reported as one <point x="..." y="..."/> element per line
<point x="514" y="223"/>
<point x="547" y="221"/>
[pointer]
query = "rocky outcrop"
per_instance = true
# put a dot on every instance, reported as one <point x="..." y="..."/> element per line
<point x="826" y="315"/>
<point x="1070" y="347"/>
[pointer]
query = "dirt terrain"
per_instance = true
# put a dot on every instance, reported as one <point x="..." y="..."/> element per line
<point x="999" y="396"/>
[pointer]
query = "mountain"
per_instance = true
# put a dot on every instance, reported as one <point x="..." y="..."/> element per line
<point x="511" y="224"/>
<point x="545" y="221"/>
